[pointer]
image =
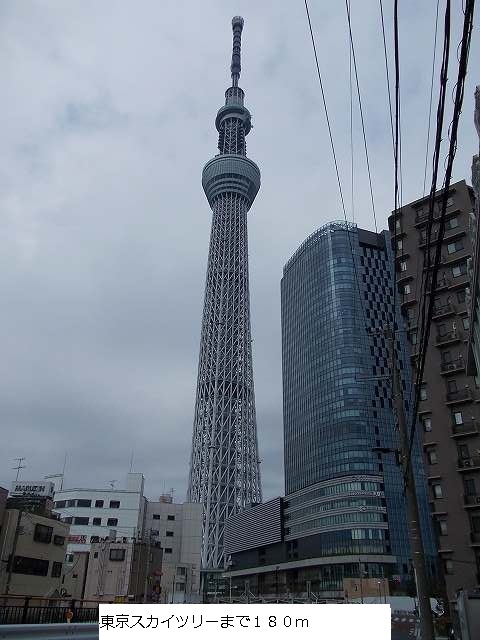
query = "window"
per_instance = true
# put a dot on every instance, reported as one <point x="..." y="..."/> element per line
<point x="59" y="540"/>
<point x="112" y="522"/>
<point x="453" y="247"/>
<point x="459" y="269"/>
<point x="463" y="451"/>
<point x="475" y="522"/>
<point x="461" y="295"/>
<point x="403" y="265"/>
<point x="397" y="225"/>
<point x="427" y="424"/>
<point x="117" y="555"/>
<point x="452" y="386"/>
<point x="181" y="571"/>
<point x="442" y="329"/>
<point x="30" y="566"/>
<point x="169" y="534"/>
<point x="442" y="527"/>
<point x="84" y="503"/>
<point x="448" y="566"/>
<point x="170" y="517"/>
<point x="452" y="223"/>
<point x="81" y="520"/>
<point x="180" y="586"/>
<point x="67" y="519"/>
<point x="466" y="323"/>
<point x="450" y="201"/>
<point x="71" y="503"/>
<point x="407" y="289"/>
<point x="437" y="491"/>
<point x="97" y="522"/>
<point x="43" y="533"/>
<point x="457" y="417"/>
<point x="423" y="392"/>
<point x="432" y="456"/>
<point x="94" y="539"/>
<point x="95" y="554"/>
<point x="69" y="558"/>
<point x="99" y="504"/>
<point x="60" y="504"/>
<point x="56" y="569"/>
<point x="446" y="357"/>
<point x="470" y="488"/>
<point x="399" y="245"/>
<point x="167" y="550"/>
<point x="156" y="516"/>
<point x="413" y="337"/>
<point x="114" y="504"/>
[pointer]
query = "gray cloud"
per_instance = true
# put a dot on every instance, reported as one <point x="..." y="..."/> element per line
<point x="106" y="123"/>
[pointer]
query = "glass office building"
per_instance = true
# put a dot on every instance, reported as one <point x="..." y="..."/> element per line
<point x="337" y="300"/>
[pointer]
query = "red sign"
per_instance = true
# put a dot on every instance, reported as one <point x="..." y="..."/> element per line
<point x="77" y="539"/>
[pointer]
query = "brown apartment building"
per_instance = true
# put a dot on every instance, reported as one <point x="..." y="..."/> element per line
<point x="450" y="401"/>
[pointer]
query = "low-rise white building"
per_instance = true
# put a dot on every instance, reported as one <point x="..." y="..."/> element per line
<point x="178" y="528"/>
<point x="95" y="514"/>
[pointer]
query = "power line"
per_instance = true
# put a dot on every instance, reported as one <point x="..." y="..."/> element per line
<point x="422" y="312"/>
<point x="431" y="96"/>
<point x="347" y="5"/>
<point x="460" y="85"/>
<point x="335" y="163"/>
<point x="421" y="283"/>
<point x="352" y="165"/>
<point x="387" y="75"/>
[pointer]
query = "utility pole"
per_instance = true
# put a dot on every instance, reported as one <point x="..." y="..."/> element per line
<point x="418" y="557"/>
<point x="14" y="550"/>
<point x="19" y="466"/>
<point x="147" y="566"/>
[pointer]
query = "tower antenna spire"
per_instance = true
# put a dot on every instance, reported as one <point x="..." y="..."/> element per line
<point x="235" y="68"/>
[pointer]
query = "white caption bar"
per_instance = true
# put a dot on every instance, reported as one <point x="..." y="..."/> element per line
<point x="196" y="621"/>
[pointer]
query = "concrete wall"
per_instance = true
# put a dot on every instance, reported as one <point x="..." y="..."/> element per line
<point x="123" y="580"/>
<point x="181" y="540"/>
<point x="26" y="583"/>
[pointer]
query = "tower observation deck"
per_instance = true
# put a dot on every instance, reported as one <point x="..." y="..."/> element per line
<point x="224" y="464"/>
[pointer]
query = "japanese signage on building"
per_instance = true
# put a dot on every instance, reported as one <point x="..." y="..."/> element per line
<point x="33" y="488"/>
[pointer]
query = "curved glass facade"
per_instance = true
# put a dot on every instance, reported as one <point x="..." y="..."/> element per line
<point x="337" y="398"/>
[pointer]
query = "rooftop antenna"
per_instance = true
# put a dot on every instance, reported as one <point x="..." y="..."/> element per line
<point x="59" y="475"/>
<point x="19" y="466"/>
<point x="235" y="67"/>
<point x="131" y="462"/>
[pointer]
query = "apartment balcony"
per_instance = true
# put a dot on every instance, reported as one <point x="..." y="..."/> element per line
<point x="452" y="367"/>
<point x="465" y="464"/>
<point x="443" y="283"/>
<point x="441" y="311"/>
<point x="459" y="396"/>
<point x="448" y="338"/>
<point x="421" y="218"/>
<point x="460" y="281"/>
<point x="475" y="538"/>
<point x="471" y="501"/>
<point x="451" y="258"/>
<point x="408" y="299"/>
<point x="468" y="428"/>
<point x="403" y="277"/>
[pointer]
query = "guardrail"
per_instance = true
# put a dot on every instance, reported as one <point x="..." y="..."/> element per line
<point x="87" y="631"/>
<point x="17" y="610"/>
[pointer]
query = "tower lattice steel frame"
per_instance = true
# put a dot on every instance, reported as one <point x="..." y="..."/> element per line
<point x="224" y="471"/>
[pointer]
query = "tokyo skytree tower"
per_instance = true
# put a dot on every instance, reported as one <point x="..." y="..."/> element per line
<point x="224" y="465"/>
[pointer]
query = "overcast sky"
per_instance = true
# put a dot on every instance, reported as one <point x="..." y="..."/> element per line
<point x="107" y="120"/>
